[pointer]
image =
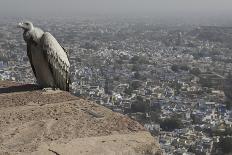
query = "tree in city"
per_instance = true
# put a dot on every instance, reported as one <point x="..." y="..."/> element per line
<point x="225" y="144"/>
<point x="3" y="57"/>
<point x="170" y="124"/>
<point x="227" y="90"/>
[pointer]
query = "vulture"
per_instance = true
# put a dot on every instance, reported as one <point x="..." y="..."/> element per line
<point x="48" y="59"/>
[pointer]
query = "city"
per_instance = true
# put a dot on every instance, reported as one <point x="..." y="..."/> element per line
<point x="174" y="80"/>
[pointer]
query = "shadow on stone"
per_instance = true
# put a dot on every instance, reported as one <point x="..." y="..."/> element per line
<point x="19" y="88"/>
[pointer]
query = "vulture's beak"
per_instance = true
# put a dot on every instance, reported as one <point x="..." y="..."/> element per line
<point x="20" y="25"/>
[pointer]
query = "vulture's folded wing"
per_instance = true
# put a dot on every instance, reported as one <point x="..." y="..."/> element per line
<point x="30" y="58"/>
<point x="57" y="60"/>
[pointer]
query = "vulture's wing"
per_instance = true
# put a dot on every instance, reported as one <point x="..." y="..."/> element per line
<point x="30" y="57"/>
<point x="57" y="60"/>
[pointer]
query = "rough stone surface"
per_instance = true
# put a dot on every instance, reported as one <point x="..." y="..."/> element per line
<point x="33" y="121"/>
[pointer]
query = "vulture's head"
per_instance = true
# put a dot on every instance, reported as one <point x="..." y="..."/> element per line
<point x="27" y="26"/>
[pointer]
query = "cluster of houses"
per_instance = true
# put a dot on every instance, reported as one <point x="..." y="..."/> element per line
<point x="149" y="73"/>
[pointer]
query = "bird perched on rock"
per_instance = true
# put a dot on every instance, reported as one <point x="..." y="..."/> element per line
<point x="48" y="59"/>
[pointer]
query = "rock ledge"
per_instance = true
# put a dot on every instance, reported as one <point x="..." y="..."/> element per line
<point x="56" y="122"/>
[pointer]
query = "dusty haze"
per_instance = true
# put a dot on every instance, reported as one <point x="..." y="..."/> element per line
<point x="120" y="7"/>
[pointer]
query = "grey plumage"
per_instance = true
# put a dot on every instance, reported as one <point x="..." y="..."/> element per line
<point x="48" y="59"/>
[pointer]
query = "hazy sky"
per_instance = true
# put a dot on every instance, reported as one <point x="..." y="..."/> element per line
<point x="146" y="7"/>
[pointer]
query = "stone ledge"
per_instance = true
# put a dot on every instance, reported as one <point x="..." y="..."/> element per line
<point x="129" y="144"/>
<point x="56" y="122"/>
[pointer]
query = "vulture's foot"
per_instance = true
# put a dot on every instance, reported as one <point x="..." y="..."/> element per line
<point x="48" y="89"/>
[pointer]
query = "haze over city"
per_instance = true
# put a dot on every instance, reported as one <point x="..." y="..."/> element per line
<point x="160" y="8"/>
<point x="160" y="66"/>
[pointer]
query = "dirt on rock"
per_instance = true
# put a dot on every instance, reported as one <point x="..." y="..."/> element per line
<point x="30" y="118"/>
